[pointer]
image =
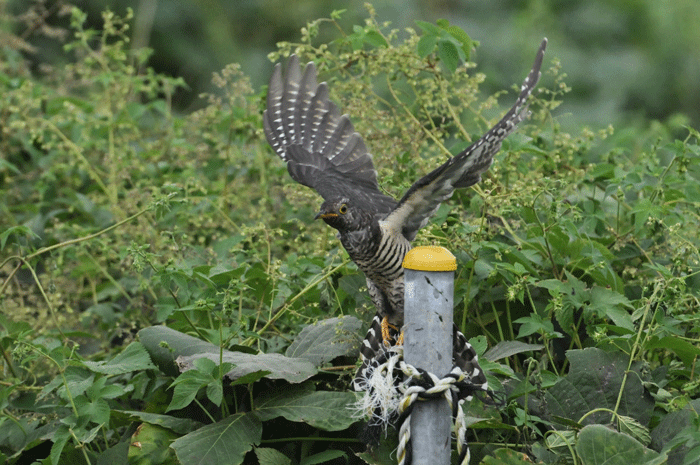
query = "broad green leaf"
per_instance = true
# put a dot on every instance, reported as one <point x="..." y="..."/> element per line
<point x="97" y="410"/>
<point x="60" y="438"/>
<point x="428" y="27"/>
<point x="535" y="324"/>
<point x="326" y="410"/>
<point x="384" y="453"/>
<point x="322" y="342"/>
<point x="165" y="345"/>
<point x="215" y="393"/>
<point x="133" y="358"/>
<point x="294" y="370"/>
<point x="506" y="457"/>
<point x="374" y="38"/>
<point x="187" y="385"/>
<point x="594" y="381"/>
<point x="599" y="445"/>
<point x="117" y="455"/>
<point x="443" y="23"/>
<point x="676" y="426"/>
<point x="611" y="304"/>
<point x="269" y="456"/>
<point x="250" y="377"/>
<point x="177" y="425"/>
<point x="78" y="380"/>
<point x="631" y="427"/>
<point x="686" y="351"/>
<point x="226" y="441"/>
<point x="561" y="440"/>
<point x="101" y="390"/>
<point x="509" y="348"/>
<point x="449" y="54"/>
<point x="459" y="34"/>
<point x="426" y="45"/>
<point x="16" y="230"/>
<point x="151" y="444"/>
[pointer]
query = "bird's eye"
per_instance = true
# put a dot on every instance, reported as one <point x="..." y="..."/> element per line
<point x="343" y="209"/>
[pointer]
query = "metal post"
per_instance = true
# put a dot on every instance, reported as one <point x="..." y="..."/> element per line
<point x="428" y="316"/>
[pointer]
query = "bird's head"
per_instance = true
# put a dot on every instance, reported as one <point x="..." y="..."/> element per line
<point x="339" y="213"/>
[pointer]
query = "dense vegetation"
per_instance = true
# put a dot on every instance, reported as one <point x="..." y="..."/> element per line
<point x="133" y="236"/>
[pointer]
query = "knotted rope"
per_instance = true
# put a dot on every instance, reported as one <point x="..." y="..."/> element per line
<point x="392" y="388"/>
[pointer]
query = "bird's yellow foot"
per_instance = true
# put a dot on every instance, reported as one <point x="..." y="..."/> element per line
<point x="387" y="338"/>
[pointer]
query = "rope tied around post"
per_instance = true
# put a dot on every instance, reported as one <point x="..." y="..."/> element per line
<point x="393" y="388"/>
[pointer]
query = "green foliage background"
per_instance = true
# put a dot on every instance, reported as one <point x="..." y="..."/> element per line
<point x="167" y="296"/>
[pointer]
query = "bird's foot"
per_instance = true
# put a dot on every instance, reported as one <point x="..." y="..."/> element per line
<point x="387" y="337"/>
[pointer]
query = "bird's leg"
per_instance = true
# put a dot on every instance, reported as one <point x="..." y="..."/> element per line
<point x="387" y="339"/>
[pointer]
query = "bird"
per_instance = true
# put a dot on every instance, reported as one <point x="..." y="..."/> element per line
<point x="323" y="151"/>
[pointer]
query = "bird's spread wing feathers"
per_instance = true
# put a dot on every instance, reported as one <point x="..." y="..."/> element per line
<point x="321" y="147"/>
<point x="423" y="198"/>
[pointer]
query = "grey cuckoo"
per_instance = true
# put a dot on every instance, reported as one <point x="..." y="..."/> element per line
<point x="323" y="151"/>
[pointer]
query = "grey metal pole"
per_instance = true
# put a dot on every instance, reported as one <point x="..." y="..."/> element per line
<point x="428" y="316"/>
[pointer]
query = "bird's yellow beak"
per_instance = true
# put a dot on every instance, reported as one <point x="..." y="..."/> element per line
<point x="323" y="215"/>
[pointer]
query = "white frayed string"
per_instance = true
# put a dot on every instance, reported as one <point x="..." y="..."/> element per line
<point x="385" y="396"/>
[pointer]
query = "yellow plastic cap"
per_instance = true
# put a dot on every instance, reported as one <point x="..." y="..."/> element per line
<point x="430" y="258"/>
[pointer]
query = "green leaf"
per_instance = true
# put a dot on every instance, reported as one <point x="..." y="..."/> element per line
<point x="506" y="349"/>
<point x="177" y="425"/>
<point x="118" y="453"/>
<point x="165" y="345"/>
<point x="78" y="380"/>
<point x="97" y="410"/>
<point x="215" y="392"/>
<point x="374" y="38"/>
<point x="535" y="324"/>
<point x="326" y="410"/>
<point x="594" y="381"/>
<point x="384" y="453"/>
<point x="250" y="377"/>
<point x="429" y="28"/>
<point x="674" y="434"/>
<point x="426" y="45"/>
<point x="133" y="358"/>
<point x="601" y="171"/>
<point x="322" y="342"/>
<point x="449" y="54"/>
<point x="294" y="370"/>
<point x="18" y="231"/>
<point x="598" y="445"/>
<point x="226" y="441"/>
<point x="505" y="456"/>
<point x="443" y="23"/>
<point x="269" y="456"/>
<point x="60" y="438"/>
<point x="631" y="427"/>
<point x="187" y="385"/>
<point x="686" y="351"/>
<point x="151" y="444"/>
<point x="611" y="304"/>
<point x="336" y="14"/>
<point x="459" y="34"/>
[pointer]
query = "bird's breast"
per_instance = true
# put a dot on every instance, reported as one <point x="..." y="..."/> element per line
<point x="379" y="253"/>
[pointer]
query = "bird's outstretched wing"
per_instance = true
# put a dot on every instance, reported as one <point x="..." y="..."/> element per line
<point x="321" y="147"/>
<point x="424" y="197"/>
